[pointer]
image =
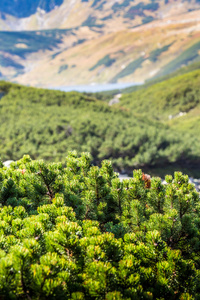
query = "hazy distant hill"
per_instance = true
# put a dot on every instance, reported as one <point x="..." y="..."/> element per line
<point x="54" y="43"/>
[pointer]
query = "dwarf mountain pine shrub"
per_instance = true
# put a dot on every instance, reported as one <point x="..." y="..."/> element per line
<point x="78" y="232"/>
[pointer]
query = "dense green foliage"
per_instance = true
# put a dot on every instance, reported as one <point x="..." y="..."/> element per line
<point x="179" y="94"/>
<point x="136" y="133"/>
<point x="46" y="124"/>
<point x="174" y="103"/>
<point x="77" y="232"/>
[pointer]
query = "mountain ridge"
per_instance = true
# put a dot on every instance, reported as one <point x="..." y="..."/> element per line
<point x="43" y="14"/>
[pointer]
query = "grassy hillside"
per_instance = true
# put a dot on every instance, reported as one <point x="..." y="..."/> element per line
<point x="169" y="97"/>
<point x="144" y="130"/>
<point x="175" y="103"/>
<point x="107" y="95"/>
<point x="184" y="70"/>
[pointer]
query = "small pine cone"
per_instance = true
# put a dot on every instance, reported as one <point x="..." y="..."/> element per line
<point x="147" y="180"/>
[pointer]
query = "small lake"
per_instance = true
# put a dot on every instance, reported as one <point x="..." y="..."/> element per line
<point x="94" y="88"/>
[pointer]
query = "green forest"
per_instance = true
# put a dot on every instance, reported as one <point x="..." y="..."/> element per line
<point x="69" y="227"/>
<point x="155" y="128"/>
<point x="75" y="231"/>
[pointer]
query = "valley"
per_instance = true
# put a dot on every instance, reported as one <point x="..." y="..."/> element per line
<point x="90" y="48"/>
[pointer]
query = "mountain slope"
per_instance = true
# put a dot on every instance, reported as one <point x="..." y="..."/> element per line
<point x="101" y="41"/>
<point x="176" y="104"/>
<point x="156" y="129"/>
